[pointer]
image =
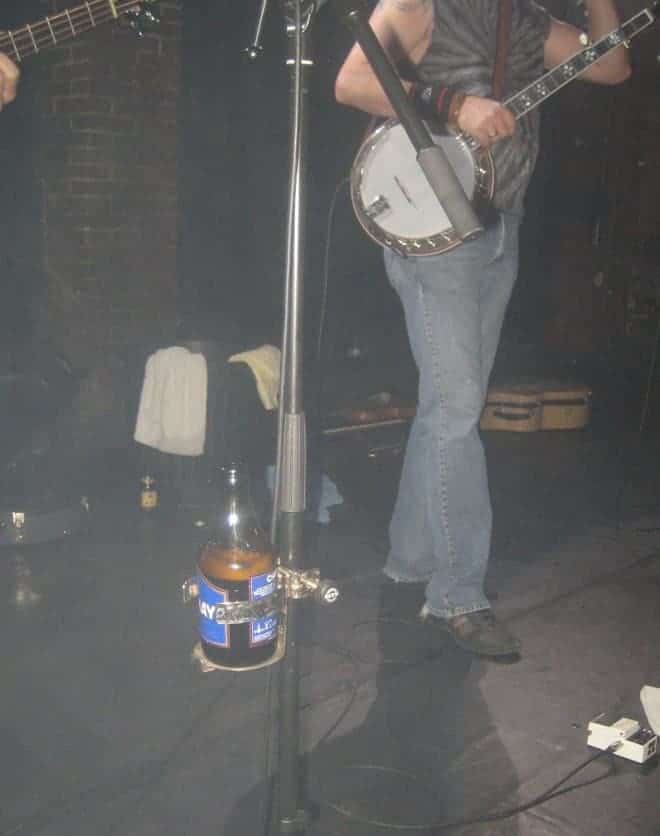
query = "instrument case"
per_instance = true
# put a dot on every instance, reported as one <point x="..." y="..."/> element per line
<point x="514" y="407"/>
<point x="565" y="406"/>
<point x="537" y="405"/>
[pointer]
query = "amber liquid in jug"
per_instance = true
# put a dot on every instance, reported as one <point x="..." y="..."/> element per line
<point x="236" y="564"/>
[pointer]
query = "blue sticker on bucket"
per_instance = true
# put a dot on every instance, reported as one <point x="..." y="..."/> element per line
<point x="209" y="597"/>
<point x="263" y="629"/>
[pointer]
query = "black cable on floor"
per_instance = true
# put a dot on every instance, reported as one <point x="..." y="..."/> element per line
<point x="323" y="309"/>
<point x="157" y="770"/>
<point x="552" y="792"/>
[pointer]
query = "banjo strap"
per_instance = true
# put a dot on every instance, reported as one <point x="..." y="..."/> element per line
<point x="502" y="47"/>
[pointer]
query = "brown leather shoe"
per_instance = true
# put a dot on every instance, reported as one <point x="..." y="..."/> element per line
<point x="477" y="632"/>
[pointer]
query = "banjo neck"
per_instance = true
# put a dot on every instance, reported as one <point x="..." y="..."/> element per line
<point x="544" y="87"/>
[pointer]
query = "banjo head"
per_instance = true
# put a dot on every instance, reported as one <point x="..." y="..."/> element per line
<point x="393" y="200"/>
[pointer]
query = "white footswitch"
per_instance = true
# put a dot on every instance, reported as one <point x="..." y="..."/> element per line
<point x="625" y="737"/>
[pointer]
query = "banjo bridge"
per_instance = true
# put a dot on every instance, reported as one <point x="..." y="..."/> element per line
<point x="377" y="207"/>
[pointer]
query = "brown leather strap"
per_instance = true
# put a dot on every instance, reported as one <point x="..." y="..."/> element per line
<point x="502" y="47"/>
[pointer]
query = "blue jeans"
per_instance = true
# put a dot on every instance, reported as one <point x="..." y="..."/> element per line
<point x="454" y="305"/>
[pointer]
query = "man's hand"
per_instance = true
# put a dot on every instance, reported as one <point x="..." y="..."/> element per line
<point x="9" y="76"/>
<point x="485" y="120"/>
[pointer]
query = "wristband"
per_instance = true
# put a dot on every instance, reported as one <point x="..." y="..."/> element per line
<point x="433" y="101"/>
<point x="454" y="111"/>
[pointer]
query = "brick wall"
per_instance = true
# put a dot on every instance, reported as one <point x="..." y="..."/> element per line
<point x="107" y="168"/>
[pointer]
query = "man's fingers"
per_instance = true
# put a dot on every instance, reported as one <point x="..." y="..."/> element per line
<point x="504" y="121"/>
<point x="486" y="120"/>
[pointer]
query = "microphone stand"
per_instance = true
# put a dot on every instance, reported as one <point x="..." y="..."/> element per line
<point x="288" y="813"/>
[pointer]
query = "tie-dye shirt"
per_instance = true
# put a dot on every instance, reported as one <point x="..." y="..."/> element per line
<point x="462" y="55"/>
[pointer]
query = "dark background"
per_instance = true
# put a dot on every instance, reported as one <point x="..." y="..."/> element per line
<point x="235" y="171"/>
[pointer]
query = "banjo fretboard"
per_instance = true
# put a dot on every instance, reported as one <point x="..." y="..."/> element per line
<point x="563" y="73"/>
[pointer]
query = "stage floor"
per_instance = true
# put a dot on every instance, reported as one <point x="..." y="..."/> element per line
<point x="108" y="729"/>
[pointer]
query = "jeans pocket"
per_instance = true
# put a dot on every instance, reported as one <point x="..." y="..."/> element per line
<point x="505" y="235"/>
<point x="498" y="232"/>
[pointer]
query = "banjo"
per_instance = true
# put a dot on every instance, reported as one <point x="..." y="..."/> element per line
<point x="392" y="199"/>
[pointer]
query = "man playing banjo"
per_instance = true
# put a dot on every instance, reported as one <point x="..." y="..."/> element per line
<point x="454" y="302"/>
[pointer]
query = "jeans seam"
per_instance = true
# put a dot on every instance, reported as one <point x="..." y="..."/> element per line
<point x="440" y="444"/>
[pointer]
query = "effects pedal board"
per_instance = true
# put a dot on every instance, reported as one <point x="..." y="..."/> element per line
<point x="625" y="738"/>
